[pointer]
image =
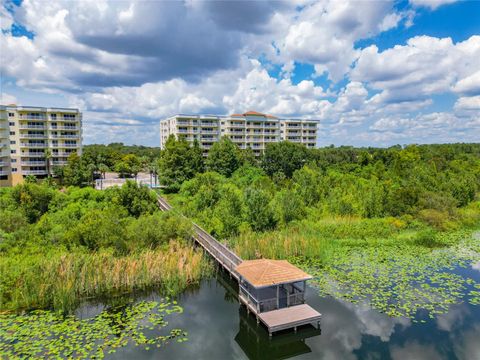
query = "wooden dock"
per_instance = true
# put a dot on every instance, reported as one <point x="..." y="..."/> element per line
<point x="274" y="320"/>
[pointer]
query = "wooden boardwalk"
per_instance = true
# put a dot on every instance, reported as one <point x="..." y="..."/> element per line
<point x="222" y="254"/>
<point x="275" y="320"/>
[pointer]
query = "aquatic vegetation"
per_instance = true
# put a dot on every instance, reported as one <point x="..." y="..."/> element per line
<point x="376" y="261"/>
<point x="45" y="334"/>
<point x="61" y="280"/>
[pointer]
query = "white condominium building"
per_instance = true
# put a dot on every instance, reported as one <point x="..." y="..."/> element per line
<point x="31" y="136"/>
<point x="249" y="130"/>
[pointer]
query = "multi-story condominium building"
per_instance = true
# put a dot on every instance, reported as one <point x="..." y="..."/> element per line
<point x="249" y="130"/>
<point x="31" y="136"/>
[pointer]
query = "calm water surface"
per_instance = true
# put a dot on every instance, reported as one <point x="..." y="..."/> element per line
<point x="219" y="328"/>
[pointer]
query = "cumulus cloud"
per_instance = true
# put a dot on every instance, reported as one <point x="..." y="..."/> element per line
<point x="325" y="32"/>
<point x="101" y="44"/>
<point x="431" y="4"/>
<point x="132" y="63"/>
<point x="469" y="85"/>
<point x="423" y="67"/>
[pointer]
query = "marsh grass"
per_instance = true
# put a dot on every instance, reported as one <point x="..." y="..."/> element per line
<point x="397" y="265"/>
<point x="60" y="281"/>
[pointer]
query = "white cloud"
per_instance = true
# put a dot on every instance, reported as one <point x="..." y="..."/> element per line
<point x="469" y="84"/>
<point x="6" y="99"/>
<point x="432" y="4"/>
<point x="468" y="103"/>
<point x="423" y="67"/>
<point x="132" y="63"/>
<point x="324" y="33"/>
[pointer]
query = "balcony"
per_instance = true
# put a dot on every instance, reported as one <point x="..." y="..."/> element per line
<point x="33" y="117"/>
<point x="4" y="173"/>
<point x="59" y="163"/>
<point x="33" y="136"/>
<point x="206" y="124"/>
<point x="63" y="154"/>
<point x="26" y="127"/>
<point x="34" y="163"/>
<point x="184" y="122"/>
<point x="34" y="172"/>
<point x="183" y="131"/>
<point x="69" y="145"/>
<point x="64" y="136"/>
<point x="70" y="128"/>
<point x="4" y="163"/>
<point x="33" y="145"/>
<point x="33" y="154"/>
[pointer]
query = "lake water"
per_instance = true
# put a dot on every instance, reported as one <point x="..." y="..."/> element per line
<point x="219" y="328"/>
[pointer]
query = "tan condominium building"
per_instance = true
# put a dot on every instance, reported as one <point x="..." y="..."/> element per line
<point x="248" y="130"/>
<point x="33" y="140"/>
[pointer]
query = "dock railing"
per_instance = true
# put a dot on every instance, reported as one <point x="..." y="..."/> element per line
<point x="226" y="257"/>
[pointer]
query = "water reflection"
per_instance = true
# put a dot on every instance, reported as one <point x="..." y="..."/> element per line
<point x="253" y="339"/>
<point x="218" y="328"/>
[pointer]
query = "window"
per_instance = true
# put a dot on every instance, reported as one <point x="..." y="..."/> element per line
<point x="12" y="132"/>
<point x="53" y="116"/>
<point x="11" y="123"/>
<point x="13" y="151"/>
<point x="11" y="114"/>
<point x="14" y="169"/>
<point x="13" y="160"/>
<point x="12" y="142"/>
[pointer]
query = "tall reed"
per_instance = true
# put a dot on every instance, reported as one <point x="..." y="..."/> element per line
<point x="60" y="281"/>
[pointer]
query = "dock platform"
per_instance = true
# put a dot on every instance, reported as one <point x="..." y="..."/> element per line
<point x="285" y="318"/>
<point x="290" y="317"/>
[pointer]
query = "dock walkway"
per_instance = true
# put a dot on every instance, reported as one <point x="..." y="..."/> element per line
<point x="274" y="320"/>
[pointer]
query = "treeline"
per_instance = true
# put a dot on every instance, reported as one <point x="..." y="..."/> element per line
<point x="231" y="190"/>
<point x="289" y="181"/>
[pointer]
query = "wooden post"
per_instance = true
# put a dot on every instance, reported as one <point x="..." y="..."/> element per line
<point x="288" y="298"/>
<point x="278" y="297"/>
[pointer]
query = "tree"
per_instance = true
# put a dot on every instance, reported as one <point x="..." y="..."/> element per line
<point x="75" y="172"/>
<point x="178" y="162"/>
<point x="288" y="206"/>
<point x="33" y="199"/>
<point x="103" y="169"/>
<point x="48" y="156"/>
<point x="259" y="212"/>
<point x="136" y="199"/>
<point x="128" y="166"/>
<point x="223" y="157"/>
<point x="284" y="157"/>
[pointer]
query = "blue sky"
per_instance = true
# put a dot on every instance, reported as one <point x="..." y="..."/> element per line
<point x="373" y="73"/>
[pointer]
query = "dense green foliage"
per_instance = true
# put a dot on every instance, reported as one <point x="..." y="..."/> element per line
<point x="179" y="162"/>
<point x="427" y="183"/>
<point x="384" y="226"/>
<point x="57" y="247"/>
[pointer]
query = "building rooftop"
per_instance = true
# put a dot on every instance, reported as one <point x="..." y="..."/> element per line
<point x="265" y="272"/>
<point x="255" y="113"/>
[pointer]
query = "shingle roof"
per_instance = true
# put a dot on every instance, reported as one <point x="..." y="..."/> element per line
<point x="265" y="272"/>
